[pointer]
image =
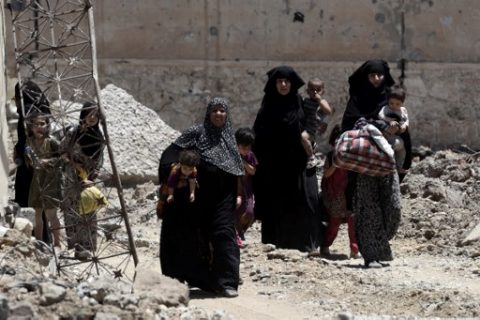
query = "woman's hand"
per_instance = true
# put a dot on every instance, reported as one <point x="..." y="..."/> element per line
<point x="239" y="202"/>
<point x="393" y="127"/>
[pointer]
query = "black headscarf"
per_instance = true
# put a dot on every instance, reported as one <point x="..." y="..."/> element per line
<point x="278" y="121"/>
<point x="90" y="139"/>
<point x="35" y="103"/>
<point x="366" y="100"/>
<point x="216" y="146"/>
<point x="275" y="104"/>
<point x="34" y="100"/>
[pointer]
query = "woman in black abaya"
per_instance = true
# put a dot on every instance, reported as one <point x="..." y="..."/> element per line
<point x="187" y="228"/>
<point x="286" y="194"/>
<point x="375" y="201"/>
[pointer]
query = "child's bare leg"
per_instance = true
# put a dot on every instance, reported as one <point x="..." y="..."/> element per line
<point x="400" y="152"/>
<point x="54" y="225"/>
<point x="38" y="224"/>
<point x="307" y="143"/>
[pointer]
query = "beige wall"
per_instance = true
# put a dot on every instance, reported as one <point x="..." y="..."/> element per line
<point x="173" y="54"/>
<point x="3" y="119"/>
<point x="443" y="99"/>
<point x="340" y="30"/>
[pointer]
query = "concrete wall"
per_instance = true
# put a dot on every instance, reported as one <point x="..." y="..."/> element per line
<point x="173" y="54"/>
<point x="442" y="98"/>
<point x="3" y="118"/>
<point x="341" y="30"/>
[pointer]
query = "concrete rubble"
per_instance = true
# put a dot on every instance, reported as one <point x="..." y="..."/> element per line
<point x="439" y="235"/>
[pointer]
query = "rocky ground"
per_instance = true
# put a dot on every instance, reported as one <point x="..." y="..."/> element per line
<point x="435" y="274"/>
<point x="436" y="271"/>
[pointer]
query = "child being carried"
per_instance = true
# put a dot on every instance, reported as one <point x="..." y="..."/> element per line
<point x="396" y="115"/>
<point x="316" y="110"/>
<point x="182" y="174"/>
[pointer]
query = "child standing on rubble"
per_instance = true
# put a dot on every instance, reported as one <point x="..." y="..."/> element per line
<point x="42" y="152"/>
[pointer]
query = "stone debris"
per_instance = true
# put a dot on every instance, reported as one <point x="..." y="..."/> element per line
<point x="433" y="275"/>
<point x="472" y="237"/>
<point x="137" y="136"/>
<point x="51" y="293"/>
<point x="441" y="204"/>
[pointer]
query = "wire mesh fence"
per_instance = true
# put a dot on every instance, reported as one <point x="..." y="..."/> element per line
<point x="62" y="140"/>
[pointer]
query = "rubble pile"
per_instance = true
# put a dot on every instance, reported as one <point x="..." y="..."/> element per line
<point x="435" y="272"/>
<point x="441" y="206"/>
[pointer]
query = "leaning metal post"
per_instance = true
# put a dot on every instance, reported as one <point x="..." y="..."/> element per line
<point x="116" y="176"/>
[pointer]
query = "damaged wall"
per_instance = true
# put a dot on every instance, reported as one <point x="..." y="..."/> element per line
<point x="341" y="30"/>
<point x="194" y="49"/>
<point x="172" y="55"/>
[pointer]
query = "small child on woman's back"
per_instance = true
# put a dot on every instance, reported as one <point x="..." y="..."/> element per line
<point x="396" y="115"/>
<point x="316" y="110"/>
<point x="182" y="174"/>
<point x="334" y="184"/>
<point x="244" y="216"/>
<point x="42" y="153"/>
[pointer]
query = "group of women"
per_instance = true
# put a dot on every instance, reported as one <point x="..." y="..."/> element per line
<point x="80" y="143"/>
<point x="198" y="239"/>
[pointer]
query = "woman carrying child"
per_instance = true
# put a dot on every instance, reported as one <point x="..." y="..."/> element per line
<point x="190" y="229"/>
<point x="375" y="201"/>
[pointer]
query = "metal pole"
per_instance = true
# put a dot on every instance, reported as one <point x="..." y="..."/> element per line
<point x="116" y="177"/>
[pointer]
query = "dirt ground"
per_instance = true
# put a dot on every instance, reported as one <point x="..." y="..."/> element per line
<point x="433" y="274"/>
<point x="286" y="284"/>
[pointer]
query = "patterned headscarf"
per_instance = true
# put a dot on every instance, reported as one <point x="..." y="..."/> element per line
<point x="215" y="145"/>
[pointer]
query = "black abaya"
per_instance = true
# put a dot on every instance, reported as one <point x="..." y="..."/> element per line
<point x="187" y="230"/>
<point x="286" y="194"/>
<point x="190" y="230"/>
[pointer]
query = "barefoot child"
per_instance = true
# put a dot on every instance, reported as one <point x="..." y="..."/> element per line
<point x="182" y="174"/>
<point x="316" y="110"/>
<point x="244" y="216"/>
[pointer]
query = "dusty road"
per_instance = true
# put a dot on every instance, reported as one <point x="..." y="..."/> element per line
<point x="287" y="284"/>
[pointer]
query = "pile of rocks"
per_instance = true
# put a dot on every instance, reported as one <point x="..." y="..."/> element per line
<point x="441" y="206"/>
<point x="137" y="136"/>
<point x="31" y="289"/>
